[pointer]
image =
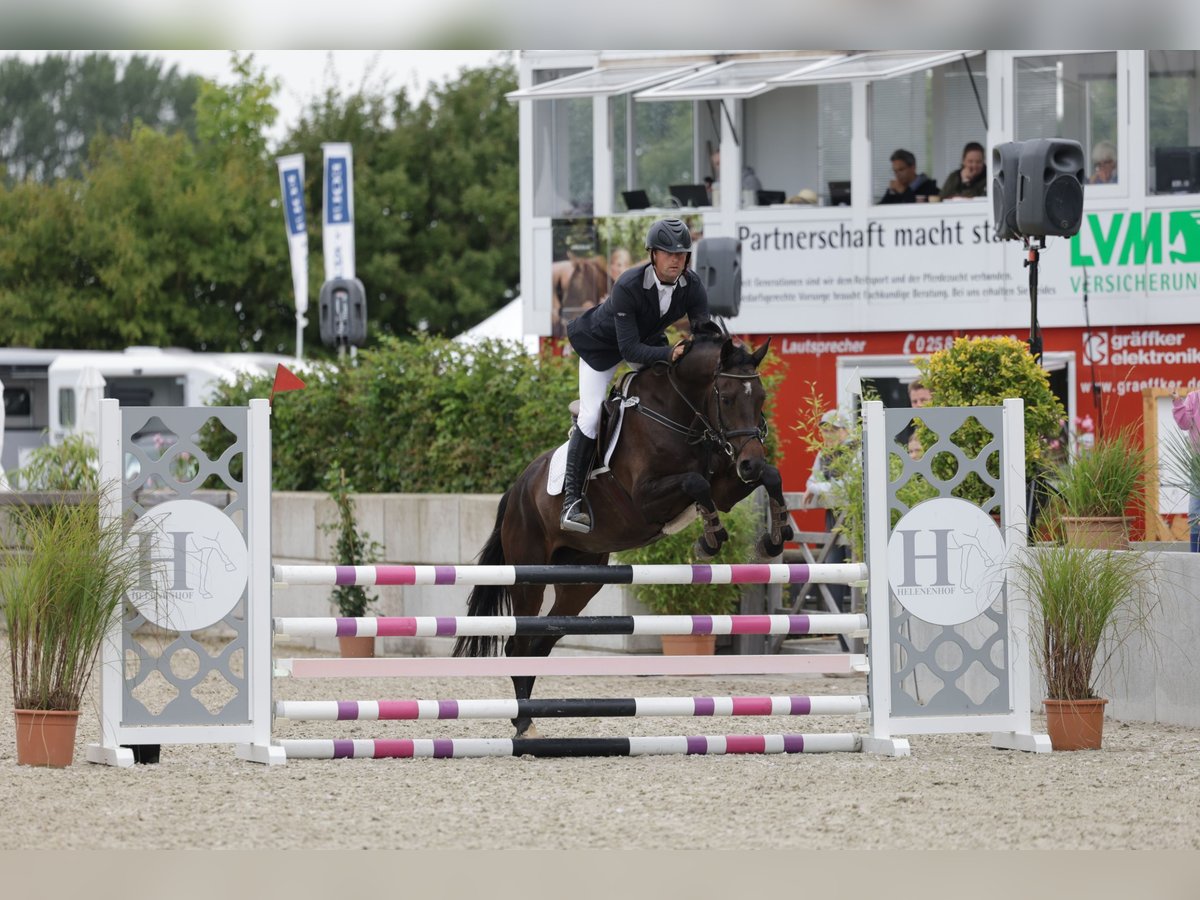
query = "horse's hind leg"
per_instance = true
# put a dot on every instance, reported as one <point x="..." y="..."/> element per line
<point x="569" y="600"/>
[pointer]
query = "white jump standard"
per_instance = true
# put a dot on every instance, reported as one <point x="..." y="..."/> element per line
<point x="920" y="598"/>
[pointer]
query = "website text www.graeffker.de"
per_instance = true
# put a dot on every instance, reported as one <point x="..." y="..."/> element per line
<point x="1136" y="385"/>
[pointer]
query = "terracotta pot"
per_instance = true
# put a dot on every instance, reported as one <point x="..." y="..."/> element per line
<point x="689" y="644"/>
<point x="355" y="647"/>
<point x="1075" y="724"/>
<point x="1096" y="532"/>
<point x="46" y="737"/>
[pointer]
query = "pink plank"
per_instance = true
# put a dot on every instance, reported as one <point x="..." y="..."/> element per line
<point x="785" y="664"/>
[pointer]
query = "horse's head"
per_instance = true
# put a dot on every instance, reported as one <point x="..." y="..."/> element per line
<point x="722" y="379"/>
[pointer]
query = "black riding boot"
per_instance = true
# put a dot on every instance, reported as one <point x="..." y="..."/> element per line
<point x="575" y="515"/>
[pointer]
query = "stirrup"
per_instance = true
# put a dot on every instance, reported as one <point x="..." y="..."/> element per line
<point x="575" y="518"/>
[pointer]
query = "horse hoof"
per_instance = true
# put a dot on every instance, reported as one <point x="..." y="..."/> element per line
<point x="766" y="549"/>
<point x="787" y="533"/>
<point x="704" y="551"/>
<point x="530" y="732"/>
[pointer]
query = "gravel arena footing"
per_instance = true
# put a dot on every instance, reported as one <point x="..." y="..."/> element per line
<point x="1142" y="791"/>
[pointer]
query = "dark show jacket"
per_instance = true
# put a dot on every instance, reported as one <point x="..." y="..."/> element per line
<point x="922" y="186"/>
<point x="620" y="327"/>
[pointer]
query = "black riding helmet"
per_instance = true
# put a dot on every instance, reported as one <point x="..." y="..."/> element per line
<point x="671" y="235"/>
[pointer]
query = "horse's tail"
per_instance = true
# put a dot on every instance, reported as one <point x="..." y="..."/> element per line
<point x="488" y="599"/>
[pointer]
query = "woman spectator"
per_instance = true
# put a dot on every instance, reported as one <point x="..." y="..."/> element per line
<point x="969" y="180"/>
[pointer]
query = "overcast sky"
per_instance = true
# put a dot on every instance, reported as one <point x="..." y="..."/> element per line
<point x="303" y="74"/>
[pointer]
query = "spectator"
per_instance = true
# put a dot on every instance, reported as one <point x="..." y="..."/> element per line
<point x="618" y="261"/>
<point x="918" y="394"/>
<point x="908" y="186"/>
<point x="750" y="181"/>
<point x="1186" y="409"/>
<point x="1104" y="163"/>
<point x="969" y="181"/>
<point x="824" y="486"/>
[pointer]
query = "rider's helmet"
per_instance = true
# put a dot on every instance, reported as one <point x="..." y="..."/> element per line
<point x="671" y="235"/>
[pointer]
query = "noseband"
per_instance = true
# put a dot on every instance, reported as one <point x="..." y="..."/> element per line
<point x="718" y="435"/>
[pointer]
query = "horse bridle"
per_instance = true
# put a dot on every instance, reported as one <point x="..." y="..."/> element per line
<point x="714" y="436"/>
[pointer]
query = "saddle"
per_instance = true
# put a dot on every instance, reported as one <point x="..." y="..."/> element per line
<point x="612" y="415"/>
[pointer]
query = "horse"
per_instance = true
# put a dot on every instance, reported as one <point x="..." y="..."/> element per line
<point x="580" y="282"/>
<point x="691" y="442"/>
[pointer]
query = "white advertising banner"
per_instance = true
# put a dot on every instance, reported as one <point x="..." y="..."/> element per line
<point x="942" y="267"/>
<point x="291" y="182"/>
<point x="337" y="229"/>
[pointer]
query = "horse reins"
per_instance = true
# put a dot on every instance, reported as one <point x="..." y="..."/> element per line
<point x="718" y="436"/>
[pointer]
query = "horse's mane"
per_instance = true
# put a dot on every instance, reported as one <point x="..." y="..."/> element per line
<point x="714" y="335"/>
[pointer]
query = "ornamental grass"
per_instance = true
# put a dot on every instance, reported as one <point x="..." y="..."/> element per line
<point x="60" y="596"/>
<point x="1085" y="604"/>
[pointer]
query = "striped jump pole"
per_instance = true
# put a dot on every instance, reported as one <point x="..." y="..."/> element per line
<point x="466" y="748"/>
<point x="460" y="626"/>
<point x="395" y="710"/>
<point x="747" y="573"/>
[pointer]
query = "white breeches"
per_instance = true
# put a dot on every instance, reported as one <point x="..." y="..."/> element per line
<point x="593" y="388"/>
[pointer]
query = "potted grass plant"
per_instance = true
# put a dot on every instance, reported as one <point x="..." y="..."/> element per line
<point x="1095" y="489"/>
<point x="1084" y="604"/>
<point x="60" y="591"/>
<point x="351" y="548"/>
<point x="691" y="599"/>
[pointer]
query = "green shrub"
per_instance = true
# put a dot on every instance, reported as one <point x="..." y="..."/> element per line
<point x="986" y="372"/>
<point x="425" y="415"/>
<point x="72" y="465"/>
<point x="676" y="549"/>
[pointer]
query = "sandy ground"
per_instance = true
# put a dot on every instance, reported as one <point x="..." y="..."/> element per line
<point x="954" y="792"/>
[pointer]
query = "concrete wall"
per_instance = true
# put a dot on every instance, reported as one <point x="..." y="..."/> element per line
<point x="414" y="529"/>
<point x="1155" y="677"/>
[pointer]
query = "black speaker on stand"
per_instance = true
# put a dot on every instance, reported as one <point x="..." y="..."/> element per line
<point x="719" y="265"/>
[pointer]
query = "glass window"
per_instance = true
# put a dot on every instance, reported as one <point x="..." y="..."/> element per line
<point x="833" y="139"/>
<point x="17" y="403"/>
<point x="1173" y="111"/>
<point x="562" y="154"/>
<point x="66" y="407"/>
<point x="1073" y="96"/>
<point x="934" y="114"/>
<point x="663" y="148"/>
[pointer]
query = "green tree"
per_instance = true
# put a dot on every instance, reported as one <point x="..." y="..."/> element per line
<point x="164" y="241"/>
<point x="435" y="198"/>
<point x="52" y="108"/>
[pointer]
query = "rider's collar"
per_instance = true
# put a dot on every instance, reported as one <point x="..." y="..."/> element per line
<point x="650" y="279"/>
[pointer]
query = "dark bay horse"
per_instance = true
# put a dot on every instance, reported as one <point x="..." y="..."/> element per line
<point x="694" y="438"/>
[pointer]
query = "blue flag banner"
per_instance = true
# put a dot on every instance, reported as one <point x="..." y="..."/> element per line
<point x="291" y="182"/>
<point x="337" y="230"/>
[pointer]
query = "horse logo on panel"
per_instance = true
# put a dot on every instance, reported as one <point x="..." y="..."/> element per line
<point x="946" y="561"/>
<point x="195" y="565"/>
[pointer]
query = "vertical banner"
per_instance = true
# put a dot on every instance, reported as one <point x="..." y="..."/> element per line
<point x="337" y="231"/>
<point x="291" y="182"/>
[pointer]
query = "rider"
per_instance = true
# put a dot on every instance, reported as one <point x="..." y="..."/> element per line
<point x="628" y="326"/>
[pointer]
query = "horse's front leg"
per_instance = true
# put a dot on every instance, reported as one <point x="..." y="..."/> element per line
<point x="660" y="493"/>
<point x="779" y="526"/>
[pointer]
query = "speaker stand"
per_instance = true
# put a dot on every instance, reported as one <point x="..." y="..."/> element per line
<point x="1031" y="263"/>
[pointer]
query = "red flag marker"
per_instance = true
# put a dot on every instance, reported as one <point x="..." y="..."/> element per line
<point x="284" y="381"/>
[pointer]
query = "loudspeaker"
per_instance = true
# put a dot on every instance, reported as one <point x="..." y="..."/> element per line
<point x="343" y="312"/>
<point x="1005" y="159"/>
<point x="719" y="265"/>
<point x="1050" y="188"/>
